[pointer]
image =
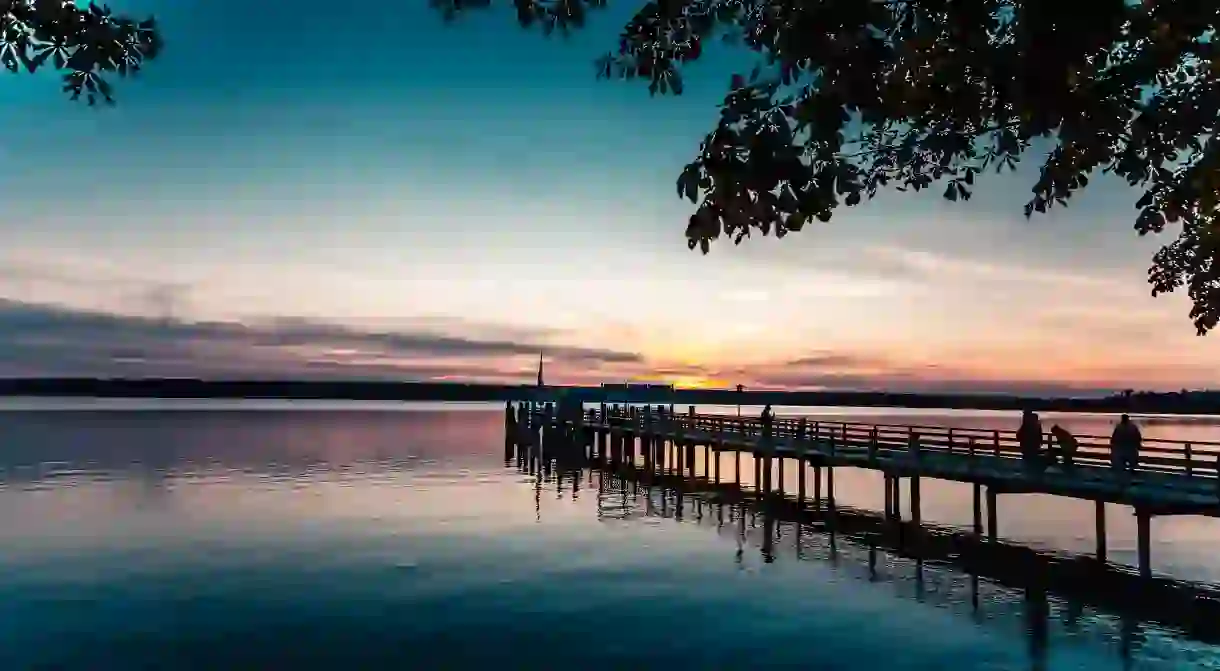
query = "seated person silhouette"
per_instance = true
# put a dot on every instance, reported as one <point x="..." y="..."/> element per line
<point x="1064" y="447"/>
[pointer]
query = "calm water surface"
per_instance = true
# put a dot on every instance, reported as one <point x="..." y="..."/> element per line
<point x="137" y="535"/>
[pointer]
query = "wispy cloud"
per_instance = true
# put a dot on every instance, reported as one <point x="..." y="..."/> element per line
<point x="921" y="264"/>
<point x="39" y="339"/>
<point x="871" y="372"/>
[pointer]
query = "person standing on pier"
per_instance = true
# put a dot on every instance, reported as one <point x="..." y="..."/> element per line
<point x="768" y="416"/>
<point x="1125" y="444"/>
<point x="1029" y="437"/>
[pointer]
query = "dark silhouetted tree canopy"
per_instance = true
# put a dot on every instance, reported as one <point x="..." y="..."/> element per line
<point x="89" y="43"/>
<point x="851" y="96"/>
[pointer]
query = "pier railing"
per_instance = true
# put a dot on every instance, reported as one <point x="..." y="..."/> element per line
<point x="1192" y="459"/>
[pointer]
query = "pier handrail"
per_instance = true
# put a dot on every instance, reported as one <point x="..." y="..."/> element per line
<point x="1192" y="458"/>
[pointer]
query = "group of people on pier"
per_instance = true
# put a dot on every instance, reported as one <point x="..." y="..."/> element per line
<point x="1039" y="450"/>
<point x="1037" y="453"/>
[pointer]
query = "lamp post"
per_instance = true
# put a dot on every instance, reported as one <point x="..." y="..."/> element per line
<point x="741" y="388"/>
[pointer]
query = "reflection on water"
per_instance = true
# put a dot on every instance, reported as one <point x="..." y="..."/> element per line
<point x="400" y="538"/>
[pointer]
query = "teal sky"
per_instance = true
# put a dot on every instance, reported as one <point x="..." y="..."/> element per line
<point x="289" y="193"/>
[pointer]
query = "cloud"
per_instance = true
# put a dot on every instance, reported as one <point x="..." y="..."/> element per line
<point x="864" y="371"/>
<point x="836" y="361"/>
<point x="921" y="265"/>
<point x="41" y="339"/>
<point x="930" y="381"/>
<point x="52" y="340"/>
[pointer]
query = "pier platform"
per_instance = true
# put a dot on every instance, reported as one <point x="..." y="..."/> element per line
<point x="1171" y="478"/>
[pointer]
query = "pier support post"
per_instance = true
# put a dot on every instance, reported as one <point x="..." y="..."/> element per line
<point x="830" y="487"/>
<point x="888" y="485"/>
<point x="915" y="503"/>
<point x="1143" y="523"/>
<point x="992" y="515"/>
<point x="780" y="475"/>
<point x="978" y="510"/>
<point x="896" y="497"/>
<point x="817" y="485"/>
<point x="800" y="479"/>
<point x="1100" y="528"/>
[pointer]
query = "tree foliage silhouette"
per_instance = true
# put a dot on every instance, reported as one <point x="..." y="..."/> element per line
<point x="89" y="43"/>
<point x="851" y="96"/>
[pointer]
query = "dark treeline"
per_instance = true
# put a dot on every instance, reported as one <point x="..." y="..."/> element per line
<point x="1202" y="402"/>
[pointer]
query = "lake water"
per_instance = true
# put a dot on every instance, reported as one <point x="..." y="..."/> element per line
<point x="235" y="535"/>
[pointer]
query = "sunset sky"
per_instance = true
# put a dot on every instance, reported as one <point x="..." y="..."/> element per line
<point x="290" y="194"/>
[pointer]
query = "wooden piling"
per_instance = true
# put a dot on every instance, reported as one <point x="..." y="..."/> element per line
<point x="830" y="488"/>
<point x="1144" y="541"/>
<point x="978" y="510"/>
<point x="888" y="486"/>
<point x="1099" y="525"/>
<point x="992" y="515"/>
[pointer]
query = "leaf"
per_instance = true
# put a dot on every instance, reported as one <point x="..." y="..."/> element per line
<point x="688" y="183"/>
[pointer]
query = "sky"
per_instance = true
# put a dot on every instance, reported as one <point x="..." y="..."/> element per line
<point x="287" y="192"/>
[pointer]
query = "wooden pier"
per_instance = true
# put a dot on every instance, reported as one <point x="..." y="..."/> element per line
<point x="1172" y="478"/>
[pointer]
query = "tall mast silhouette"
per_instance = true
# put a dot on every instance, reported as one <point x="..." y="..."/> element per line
<point x="540" y="384"/>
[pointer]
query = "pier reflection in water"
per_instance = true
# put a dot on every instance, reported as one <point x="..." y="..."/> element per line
<point x="1071" y="599"/>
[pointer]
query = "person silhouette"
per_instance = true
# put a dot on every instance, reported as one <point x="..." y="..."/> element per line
<point x="1029" y="437"/>
<point x="1125" y="444"/>
<point x="1066" y="445"/>
<point x="766" y="419"/>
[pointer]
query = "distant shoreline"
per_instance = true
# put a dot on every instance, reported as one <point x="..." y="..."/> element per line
<point x="1192" y="403"/>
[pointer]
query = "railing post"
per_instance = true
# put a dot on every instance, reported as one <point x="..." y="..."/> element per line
<point x="843" y="442"/>
<point x="997" y="443"/>
<point x="970" y="447"/>
<point x="1189" y="469"/>
<point x="913" y="444"/>
<point x="950" y="440"/>
<point x="872" y="444"/>
<point x="817" y="431"/>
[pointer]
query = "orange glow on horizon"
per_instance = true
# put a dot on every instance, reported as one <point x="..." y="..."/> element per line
<point x="694" y="382"/>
